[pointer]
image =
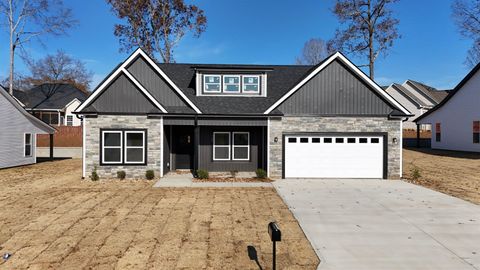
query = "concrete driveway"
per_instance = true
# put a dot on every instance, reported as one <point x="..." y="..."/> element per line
<point x="379" y="224"/>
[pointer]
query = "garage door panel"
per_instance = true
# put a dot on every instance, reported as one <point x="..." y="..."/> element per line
<point x="334" y="160"/>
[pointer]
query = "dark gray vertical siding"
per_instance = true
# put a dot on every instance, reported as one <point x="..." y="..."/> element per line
<point x="335" y="91"/>
<point x="205" y="156"/>
<point x="152" y="81"/>
<point x="122" y="96"/>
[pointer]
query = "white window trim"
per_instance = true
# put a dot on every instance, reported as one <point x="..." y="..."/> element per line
<point x="66" y="120"/>
<point x="205" y="83"/>
<point x="134" y="147"/>
<point x="241" y="146"/>
<point x="112" y="147"/>
<point x="258" y="84"/>
<point x="25" y="144"/>
<point x="222" y="146"/>
<point x="224" y="85"/>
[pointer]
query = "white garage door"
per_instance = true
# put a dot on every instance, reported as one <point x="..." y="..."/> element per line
<point x="334" y="156"/>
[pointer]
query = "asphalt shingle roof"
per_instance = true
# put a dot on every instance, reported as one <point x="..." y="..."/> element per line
<point x="281" y="78"/>
<point x="433" y="93"/>
<point x="52" y="96"/>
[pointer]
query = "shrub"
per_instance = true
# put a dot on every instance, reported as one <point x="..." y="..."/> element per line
<point x="121" y="175"/>
<point x="261" y="173"/>
<point x="94" y="176"/>
<point x="149" y="174"/>
<point x="415" y="173"/>
<point x="202" y="174"/>
<point x="234" y="174"/>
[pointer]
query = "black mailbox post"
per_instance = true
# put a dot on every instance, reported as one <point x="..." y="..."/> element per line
<point x="275" y="236"/>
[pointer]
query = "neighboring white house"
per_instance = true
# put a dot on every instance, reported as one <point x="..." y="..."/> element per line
<point x="18" y="130"/>
<point x="456" y="120"/>
<point x="417" y="97"/>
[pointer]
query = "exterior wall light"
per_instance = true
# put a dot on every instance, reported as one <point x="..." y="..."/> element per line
<point x="395" y="140"/>
<point x="275" y="139"/>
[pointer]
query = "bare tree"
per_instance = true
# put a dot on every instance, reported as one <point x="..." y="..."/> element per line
<point x="29" y="19"/>
<point x="314" y="51"/>
<point x="467" y="17"/>
<point x="60" y="68"/>
<point x="370" y="29"/>
<point x="156" y="25"/>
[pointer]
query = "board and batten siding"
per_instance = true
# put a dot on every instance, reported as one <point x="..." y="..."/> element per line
<point x="205" y="157"/>
<point x="13" y="126"/>
<point x="335" y="91"/>
<point x="122" y="96"/>
<point x="156" y="85"/>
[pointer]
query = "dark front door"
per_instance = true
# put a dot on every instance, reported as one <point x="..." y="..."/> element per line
<point x="183" y="147"/>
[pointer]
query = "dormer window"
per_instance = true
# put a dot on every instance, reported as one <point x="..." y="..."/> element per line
<point x="212" y="84"/>
<point x="251" y="84"/>
<point x="231" y="84"/>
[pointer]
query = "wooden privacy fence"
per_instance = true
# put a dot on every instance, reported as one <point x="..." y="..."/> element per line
<point x="65" y="136"/>
<point x="412" y="133"/>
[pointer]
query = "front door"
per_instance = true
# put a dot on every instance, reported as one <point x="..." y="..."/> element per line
<point x="183" y="147"/>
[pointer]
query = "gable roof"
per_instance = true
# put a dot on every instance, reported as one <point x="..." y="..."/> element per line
<point x="340" y="57"/>
<point x="121" y="69"/>
<point x="42" y="125"/>
<point x="282" y="80"/>
<point x="53" y="96"/>
<point x="452" y="93"/>
<point x="432" y="93"/>
<point x="414" y="99"/>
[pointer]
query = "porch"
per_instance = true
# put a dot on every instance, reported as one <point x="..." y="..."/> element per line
<point x="214" y="144"/>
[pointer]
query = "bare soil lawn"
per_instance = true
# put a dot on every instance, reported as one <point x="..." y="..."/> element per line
<point x="51" y="219"/>
<point x="454" y="173"/>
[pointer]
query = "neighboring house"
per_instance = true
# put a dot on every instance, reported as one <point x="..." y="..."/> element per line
<point x="328" y="120"/>
<point x="416" y="97"/>
<point x="53" y="103"/>
<point x="18" y="130"/>
<point x="456" y="120"/>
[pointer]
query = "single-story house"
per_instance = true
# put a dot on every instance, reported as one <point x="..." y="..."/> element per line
<point x="18" y="130"/>
<point x="416" y="97"/>
<point x="328" y="121"/>
<point x="456" y="120"/>
<point x="53" y="103"/>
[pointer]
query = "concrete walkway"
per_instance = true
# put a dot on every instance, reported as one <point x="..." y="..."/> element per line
<point x="186" y="180"/>
<point x="379" y="224"/>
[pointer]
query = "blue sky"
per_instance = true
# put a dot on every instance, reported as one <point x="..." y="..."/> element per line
<point x="273" y="32"/>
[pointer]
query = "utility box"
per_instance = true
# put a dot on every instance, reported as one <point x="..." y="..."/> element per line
<point x="274" y="232"/>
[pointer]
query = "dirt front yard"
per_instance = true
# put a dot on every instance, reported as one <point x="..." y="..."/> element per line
<point x="50" y="219"/>
<point x="454" y="173"/>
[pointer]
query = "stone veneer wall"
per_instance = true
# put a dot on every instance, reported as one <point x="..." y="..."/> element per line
<point x="280" y="125"/>
<point x="92" y="144"/>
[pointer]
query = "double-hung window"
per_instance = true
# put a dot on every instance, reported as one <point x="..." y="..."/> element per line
<point x="27" y="144"/>
<point x="69" y="120"/>
<point x="476" y="131"/>
<point x="231" y="84"/>
<point x="124" y="147"/>
<point x="112" y="147"/>
<point x="221" y="146"/>
<point x="134" y="147"/>
<point x="231" y="146"/>
<point x="438" y="132"/>
<point x="251" y="84"/>
<point x="241" y="146"/>
<point x="211" y="84"/>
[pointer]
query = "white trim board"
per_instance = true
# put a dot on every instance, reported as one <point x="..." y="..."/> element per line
<point x="354" y="68"/>
<point x="122" y="69"/>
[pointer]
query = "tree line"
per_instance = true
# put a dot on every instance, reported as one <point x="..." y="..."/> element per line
<point x="367" y="28"/>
